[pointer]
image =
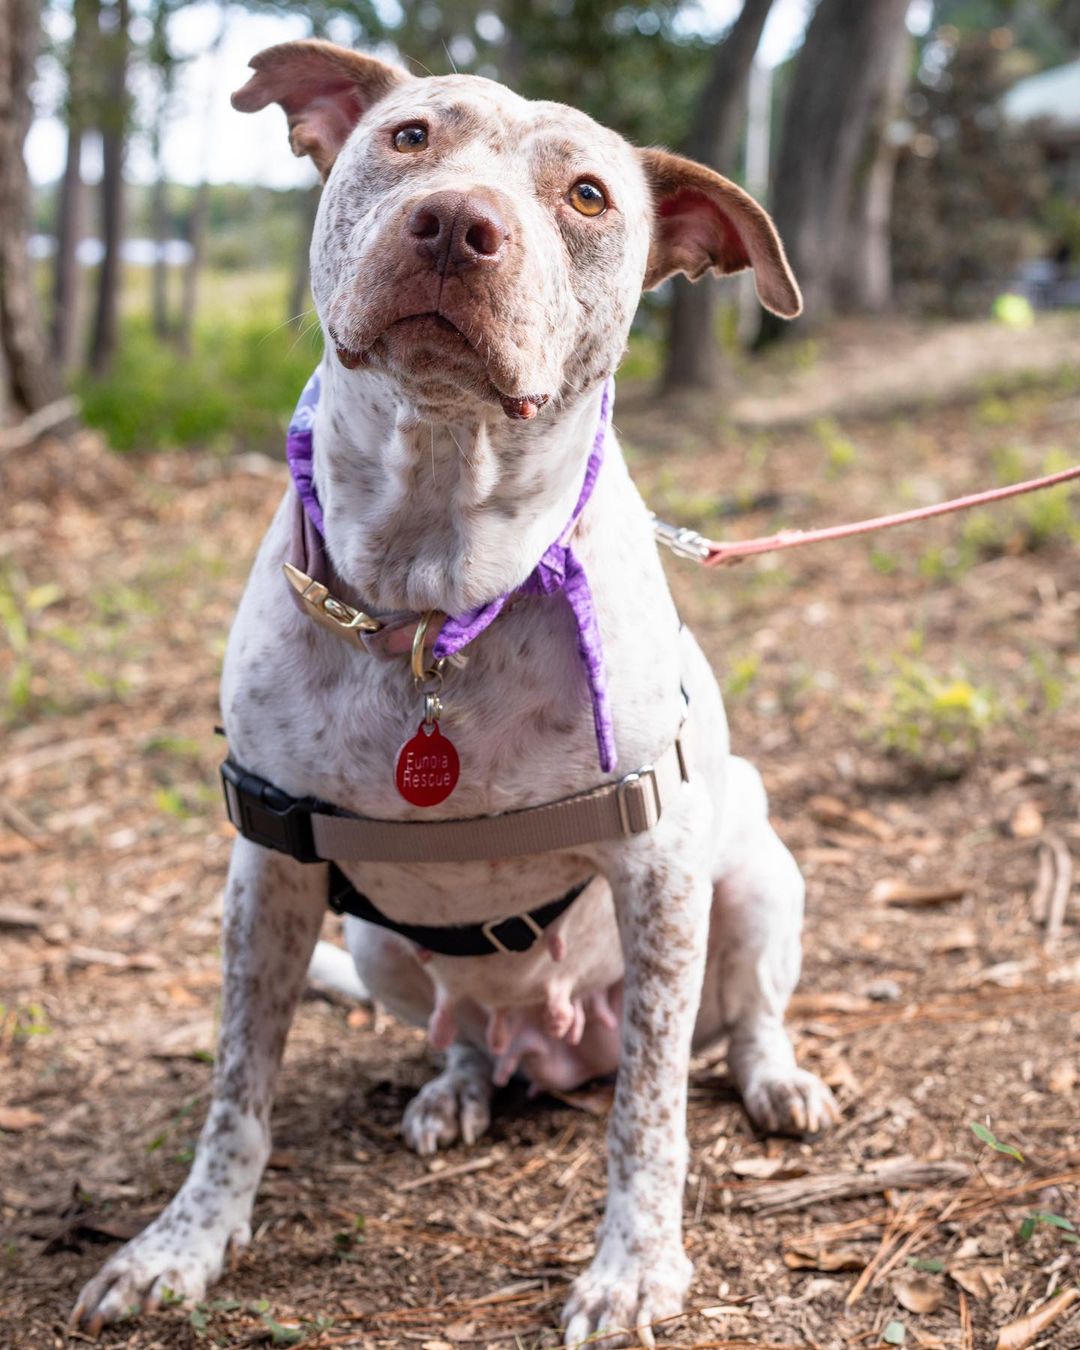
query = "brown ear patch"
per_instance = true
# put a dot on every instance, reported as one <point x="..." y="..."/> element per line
<point x="703" y="222"/>
<point x="324" y="90"/>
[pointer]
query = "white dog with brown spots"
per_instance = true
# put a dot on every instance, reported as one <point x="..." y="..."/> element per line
<point x="476" y="264"/>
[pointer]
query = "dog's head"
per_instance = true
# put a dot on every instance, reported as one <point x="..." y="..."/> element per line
<point x="478" y="247"/>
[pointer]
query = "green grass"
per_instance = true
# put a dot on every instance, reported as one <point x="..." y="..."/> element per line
<point x="234" y="392"/>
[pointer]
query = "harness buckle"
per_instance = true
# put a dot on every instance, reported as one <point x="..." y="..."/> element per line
<point x="488" y="930"/>
<point x="638" y="800"/>
<point x="266" y="815"/>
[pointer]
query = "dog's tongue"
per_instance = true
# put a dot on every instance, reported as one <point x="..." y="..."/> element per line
<point x="523" y="409"/>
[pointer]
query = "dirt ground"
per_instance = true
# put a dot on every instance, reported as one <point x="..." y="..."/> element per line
<point x="915" y="708"/>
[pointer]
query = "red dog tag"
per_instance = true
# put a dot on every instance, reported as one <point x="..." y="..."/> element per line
<point x="427" y="767"/>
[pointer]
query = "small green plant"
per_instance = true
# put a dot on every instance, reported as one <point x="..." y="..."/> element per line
<point x="840" y="451"/>
<point x="743" y="674"/>
<point x="986" y="1136"/>
<point x="1038" y="1218"/>
<point x="20" y="608"/>
<point x="23" y="1022"/>
<point x="1066" y="1229"/>
<point x="935" y="722"/>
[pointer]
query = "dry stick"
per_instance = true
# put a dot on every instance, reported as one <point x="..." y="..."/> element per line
<point x="967" y="1328"/>
<point x="463" y="1169"/>
<point x="28" y="430"/>
<point x="1040" y="896"/>
<point x="20" y="822"/>
<point x="892" y="1229"/>
<point x="1059" y="896"/>
<point x="915" y="1238"/>
<point x="893" y="1174"/>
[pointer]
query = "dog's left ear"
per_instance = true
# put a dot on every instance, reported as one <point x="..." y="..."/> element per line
<point x="324" y="89"/>
<point x="702" y="221"/>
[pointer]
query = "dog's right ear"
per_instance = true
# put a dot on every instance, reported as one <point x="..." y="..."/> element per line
<point x="324" y="89"/>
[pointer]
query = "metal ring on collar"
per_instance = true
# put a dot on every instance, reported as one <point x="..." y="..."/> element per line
<point x="419" y="670"/>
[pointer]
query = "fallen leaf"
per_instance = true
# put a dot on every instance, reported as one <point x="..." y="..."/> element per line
<point x="807" y="1005"/>
<point x="962" y="938"/>
<point x="460" y="1331"/>
<point x="1026" y="821"/>
<point x="1016" y="1335"/>
<point x="767" y="1169"/>
<point x="15" y="1119"/>
<point x="979" y="1281"/>
<point x="918" y="1293"/>
<point x="896" y="891"/>
<point x="806" y="1257"/>
<point x="831" y="811"/>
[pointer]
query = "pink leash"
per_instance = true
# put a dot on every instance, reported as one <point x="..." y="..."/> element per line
<point x="690" y="544"/>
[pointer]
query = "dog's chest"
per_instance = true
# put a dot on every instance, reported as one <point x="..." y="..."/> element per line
<point x="319" y="717"/>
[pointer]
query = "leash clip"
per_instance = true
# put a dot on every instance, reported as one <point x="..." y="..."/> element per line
<point x="683" y="542"/>
<point x="326" y="609"/>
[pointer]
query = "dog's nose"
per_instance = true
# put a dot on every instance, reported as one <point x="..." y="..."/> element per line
<point x="456" y="231"/>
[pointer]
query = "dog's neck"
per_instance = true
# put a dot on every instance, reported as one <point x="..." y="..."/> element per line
<point x="423" y="515"/>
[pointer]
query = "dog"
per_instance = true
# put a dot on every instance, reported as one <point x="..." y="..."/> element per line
<point x="476" y="264"/>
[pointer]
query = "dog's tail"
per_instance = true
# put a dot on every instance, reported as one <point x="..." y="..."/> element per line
<point x="333" y="968"/>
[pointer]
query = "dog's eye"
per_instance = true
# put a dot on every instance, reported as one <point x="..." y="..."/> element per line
<point x="587" y="198"/>
<point x="411" y="138"/>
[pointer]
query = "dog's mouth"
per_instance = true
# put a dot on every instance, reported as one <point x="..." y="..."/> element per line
<point x="434" y="328"/>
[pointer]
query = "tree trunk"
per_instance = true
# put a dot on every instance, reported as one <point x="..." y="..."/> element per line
<point x="200" y="207"/>
<point x="114" y="119"/>
<point x="69" y="202"/>
<point x="846" y="61"/>
<point x="189" y="299"/>
<point x="159" y="229"/>
<point x="865" y="284"/>
<point x="70" y="199"/>
<point x="692" y="358"/>
<point x="28" y="378"/>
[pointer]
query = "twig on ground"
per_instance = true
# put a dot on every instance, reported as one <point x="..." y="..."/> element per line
<point x="1059" y="896"/>
<point x="445" y="1173"/>
<point x="30" y="428"/>
<point x="893" y="1173"/>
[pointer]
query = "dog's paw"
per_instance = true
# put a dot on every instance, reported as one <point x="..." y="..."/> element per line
<point x="619" y="1300"/>
<point x="171" y="1263"/>
<point x="793" y="1102"/>
<point x="455" y="1105"/>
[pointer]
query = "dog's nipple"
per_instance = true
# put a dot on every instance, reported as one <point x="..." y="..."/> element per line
<point x="442" y="1027"/>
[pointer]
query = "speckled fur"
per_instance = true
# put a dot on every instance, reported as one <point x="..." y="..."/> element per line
<point x="434" y="499"/>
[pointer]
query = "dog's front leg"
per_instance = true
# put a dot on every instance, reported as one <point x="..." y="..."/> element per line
<point x="273" y="910"/>
<point x="640" y="1272"/>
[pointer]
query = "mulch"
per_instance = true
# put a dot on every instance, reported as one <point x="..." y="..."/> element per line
<point x="941" y="983"/>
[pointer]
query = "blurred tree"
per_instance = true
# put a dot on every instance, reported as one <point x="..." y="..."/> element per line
<point x="28" y="377"/>
<point x="78" y="113"/>
<point x="830" y="137"/>
<point x="692" y="353"/>
<point x="197" y="218"/>
<point x="114" y="110"/>
<point x="970" y="188"/>
<point x="634" y="67"/>
<point x="1049" y="29"/>
<point x="164" y="65"/>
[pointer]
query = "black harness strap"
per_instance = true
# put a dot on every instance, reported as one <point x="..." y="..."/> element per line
<point x="515" y="934"/>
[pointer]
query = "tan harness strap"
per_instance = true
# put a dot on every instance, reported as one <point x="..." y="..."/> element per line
<point x="617" y="810"/>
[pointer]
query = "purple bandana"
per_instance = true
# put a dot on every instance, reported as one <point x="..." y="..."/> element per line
<point x="559" y="569"/>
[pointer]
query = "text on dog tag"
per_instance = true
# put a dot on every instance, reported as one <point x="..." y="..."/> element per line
<point x="427" y="767"/>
